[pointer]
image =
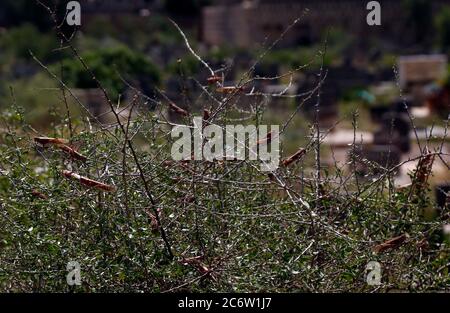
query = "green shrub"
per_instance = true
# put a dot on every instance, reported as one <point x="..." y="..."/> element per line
<point x="108" y="65"/>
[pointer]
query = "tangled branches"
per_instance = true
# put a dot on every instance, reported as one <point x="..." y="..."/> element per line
<point x="136" y="220"/>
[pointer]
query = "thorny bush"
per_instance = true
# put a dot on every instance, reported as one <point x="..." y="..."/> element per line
<point x="109" y="196"/>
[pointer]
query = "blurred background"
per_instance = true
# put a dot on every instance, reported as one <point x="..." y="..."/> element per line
<point x="373" y="72"/>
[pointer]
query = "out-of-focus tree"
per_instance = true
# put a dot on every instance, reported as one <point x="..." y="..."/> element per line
<point x="108" y="65"/>
<point x="419" y="19"/>
<point x="16" y="45"/>
<point x="443" y="28"/>
<point x="17" y="12"/>
<point x="19" y="41"/>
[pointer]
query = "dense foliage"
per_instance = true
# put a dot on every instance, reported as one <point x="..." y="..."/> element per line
<point x="229" y="226"/>
<point x="108" y="65"/>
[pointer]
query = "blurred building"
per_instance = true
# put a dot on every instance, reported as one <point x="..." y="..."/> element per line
<point x="248" y="22"/>
<point x="422" y="69"/>
<point x="115" y="6"/>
